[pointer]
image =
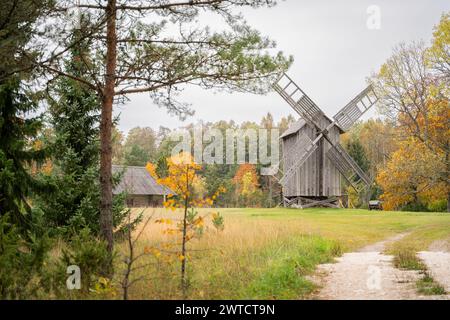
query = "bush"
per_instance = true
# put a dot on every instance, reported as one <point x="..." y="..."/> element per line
<point x="438" y="206"/>
<point x="88" y="253"/>
<point x="21" y="262"/>
<point x="415" y="207"/>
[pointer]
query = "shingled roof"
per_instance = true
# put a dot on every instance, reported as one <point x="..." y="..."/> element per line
<point x="296" y="126"/>
<point x="293" y="128"/>
<point x="138" y="181"/>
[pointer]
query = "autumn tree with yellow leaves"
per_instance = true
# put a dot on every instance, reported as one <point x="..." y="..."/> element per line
<point x="188" y="194"/>
<point x="409" y="176"/>
<point x="414" y="95"/>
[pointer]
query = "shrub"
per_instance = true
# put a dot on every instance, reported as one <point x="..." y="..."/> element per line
<point x="91" y="256"/>
<point x="438" y="206"/>
<point x="21" y="262"/>
<point x="415" y="207"/>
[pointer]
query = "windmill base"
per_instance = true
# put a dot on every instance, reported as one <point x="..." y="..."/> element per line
<point x="309" y="202"/>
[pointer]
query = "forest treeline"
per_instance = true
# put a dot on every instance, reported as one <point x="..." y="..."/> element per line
<point x="245" y="185"/>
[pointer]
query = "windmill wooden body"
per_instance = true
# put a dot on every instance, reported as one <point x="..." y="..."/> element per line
<point x="314" y="162"/>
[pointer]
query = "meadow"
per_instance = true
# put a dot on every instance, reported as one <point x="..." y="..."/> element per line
<point x="269" y="253"/>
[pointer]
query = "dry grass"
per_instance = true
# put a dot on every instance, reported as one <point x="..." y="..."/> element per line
<point x="262" y="253"/>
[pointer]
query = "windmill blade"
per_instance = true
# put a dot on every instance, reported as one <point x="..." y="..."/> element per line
<point x="349" y="114"/>
<point x="299" y="100"/>
<point x="302" y="149"/>
<point x="347" y="166"/>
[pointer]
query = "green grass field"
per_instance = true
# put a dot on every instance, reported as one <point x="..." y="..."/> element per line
<point x="267" y="253"/>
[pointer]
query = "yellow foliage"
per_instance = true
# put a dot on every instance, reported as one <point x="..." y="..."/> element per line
<point x="166" y="221"/>
<point x="410" y="175"/>
<point x="153" y="251"/>
<point x="413" y="89"/>
<point x="180" y="179"/>
<point x="151" y="168"/>
<point x="439" y="51"/>
<point x="190" y="189"/>
<point x="104" y="287"/>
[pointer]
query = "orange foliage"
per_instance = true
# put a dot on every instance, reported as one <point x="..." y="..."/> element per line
<point x="246" y="179"/>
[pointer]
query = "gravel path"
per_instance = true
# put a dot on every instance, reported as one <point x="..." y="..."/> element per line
<point x="438" y="265"/>
<point x="379" y="246"/>
<point x="370" y="275"/>
<point x="440" y="246"/>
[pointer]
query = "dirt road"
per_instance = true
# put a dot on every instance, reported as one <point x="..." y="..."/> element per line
<point x="370" y="275"/>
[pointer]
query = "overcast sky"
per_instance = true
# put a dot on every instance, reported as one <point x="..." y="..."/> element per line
<point x="333" y="49"/>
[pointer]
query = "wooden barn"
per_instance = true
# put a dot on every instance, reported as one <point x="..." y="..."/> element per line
<point x="141" y="188"/>
<point x="317" y="177"/>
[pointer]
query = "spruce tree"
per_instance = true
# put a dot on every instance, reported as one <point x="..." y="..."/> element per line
<point x="356" y="151"/>
<point x="74" y="117"/>
<point x="16" y="154"/>
<point x="18" y="127"/>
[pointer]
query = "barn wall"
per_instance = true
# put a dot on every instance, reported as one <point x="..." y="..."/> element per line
<point x="306" y="181"/>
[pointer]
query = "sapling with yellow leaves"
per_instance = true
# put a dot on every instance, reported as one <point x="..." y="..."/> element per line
<point x="188" y="195"/>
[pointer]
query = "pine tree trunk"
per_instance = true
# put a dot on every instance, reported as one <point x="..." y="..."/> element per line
<point x="106" y="221"/>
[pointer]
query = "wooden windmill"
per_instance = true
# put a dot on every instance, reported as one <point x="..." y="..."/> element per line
<point x="313" y="159"/>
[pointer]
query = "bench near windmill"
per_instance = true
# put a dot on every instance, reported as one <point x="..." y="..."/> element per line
<point x="313" y="159"/>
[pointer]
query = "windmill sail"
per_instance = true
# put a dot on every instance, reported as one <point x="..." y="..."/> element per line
<point x="298" y="100"/>
<point x="347" y="166"/>
<point x="349" y="114"/>
<point x="310" y="112"/>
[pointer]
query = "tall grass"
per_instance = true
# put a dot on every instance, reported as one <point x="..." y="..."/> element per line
<point x="250" y="258"/>
<point x="265" y="253"/>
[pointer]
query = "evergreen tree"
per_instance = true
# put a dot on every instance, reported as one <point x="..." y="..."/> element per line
<point x="75" y="116"/>
<point x="16" y="129"/>
<point x="135" y="155"/>
<point x="356" y="151"/>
